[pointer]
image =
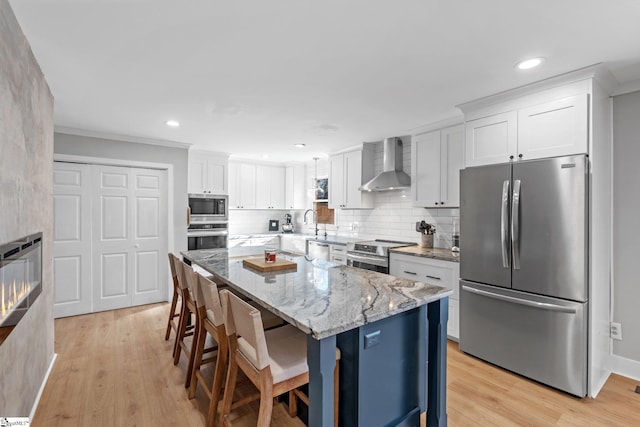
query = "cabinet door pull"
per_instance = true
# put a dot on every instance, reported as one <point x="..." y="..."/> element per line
<point x="433" y="277"/>
<point x="411" y="272"/>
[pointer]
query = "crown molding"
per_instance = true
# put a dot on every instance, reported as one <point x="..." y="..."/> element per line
<point x="592" y="72"/>
<point x="122" y="138"/>
<point x="628" y="87"/>
<point x="440" y="124"/>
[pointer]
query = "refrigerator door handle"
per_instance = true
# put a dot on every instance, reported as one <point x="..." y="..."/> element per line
<point x="504" y="219"/>
<point x="540" y="305"/>
<point x="515" y="224"/>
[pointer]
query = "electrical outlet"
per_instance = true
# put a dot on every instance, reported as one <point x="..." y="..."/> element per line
<point x="616" y="331"/>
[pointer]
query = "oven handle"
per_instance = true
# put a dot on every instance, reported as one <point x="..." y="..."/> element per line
<point x="188" y="216"/>
<point x="207" y="233"/>
<point x="218" y="222"/>
<point x="382" y="262"/>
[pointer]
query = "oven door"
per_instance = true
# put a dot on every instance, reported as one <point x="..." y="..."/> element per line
<point x="207" y="236"/>
<point x="207" y="240"/>
<point x="368" y="262"/>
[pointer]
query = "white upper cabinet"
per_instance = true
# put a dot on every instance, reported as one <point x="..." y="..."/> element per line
<point x="436" y="160"/>
<point x="208" y="173"/>
<point x="348" y="171"/>
<point x="270" y="187"/>
<point x="558" y="127"/>
<point x="554" y="128"/>
<point x="295" y="191"/>
<point x="336" y="181"/>
<point x="491" y="139"/>
<point x="242" y="186"/>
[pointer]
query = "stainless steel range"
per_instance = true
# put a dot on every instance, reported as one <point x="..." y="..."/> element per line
<point x="372" y="255"/>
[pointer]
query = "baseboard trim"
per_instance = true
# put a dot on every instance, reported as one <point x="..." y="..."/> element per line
<point x="625" y="367"/>
<point x="44" y="383"/>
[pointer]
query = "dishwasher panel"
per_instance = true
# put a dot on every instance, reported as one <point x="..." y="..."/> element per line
<point x="318" y="250"/>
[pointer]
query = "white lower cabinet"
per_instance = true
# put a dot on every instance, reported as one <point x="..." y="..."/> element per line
<point x="338" y="253"/>
<point x="433" y="271"/>
<point x="293" y="243"/>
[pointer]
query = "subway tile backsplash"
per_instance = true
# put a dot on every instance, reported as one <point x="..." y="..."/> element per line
<point x="393" y="219"/>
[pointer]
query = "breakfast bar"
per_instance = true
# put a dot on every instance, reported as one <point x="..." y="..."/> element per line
<point x="391" y="333"/>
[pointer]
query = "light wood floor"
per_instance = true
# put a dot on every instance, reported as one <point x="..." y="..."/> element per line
<point x="115" y="369"/>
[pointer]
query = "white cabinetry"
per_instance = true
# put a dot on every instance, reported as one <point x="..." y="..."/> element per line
<point x="242" y="186"/>
<point x="433" y="271"/>
<point x="295" y="191"/>
<point x="269" y="185"/>
<point x="555" y="128"/>
<point x="208" y="172"/>
<point x="491" y="139"/>
<point x="293" y="243"/>
<point x="558" y="127"/>
<point x="338" y="253"/>
<point x="436" y="160"/>
<point x="347" y="172"/>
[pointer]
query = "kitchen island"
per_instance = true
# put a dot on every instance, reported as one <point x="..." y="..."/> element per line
<point x="387" y="329"/>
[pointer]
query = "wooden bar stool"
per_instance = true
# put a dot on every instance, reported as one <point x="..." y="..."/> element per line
<point x="275" y="361"/>
<point x="211" y="322"/>
<point x="188" y="308"/>
<point x="172" y="323"/>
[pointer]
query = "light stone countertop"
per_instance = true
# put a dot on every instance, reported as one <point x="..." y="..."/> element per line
<point x="434" y="253"/>
<point x="340" y="240"/>
<point x="321" y="298"/>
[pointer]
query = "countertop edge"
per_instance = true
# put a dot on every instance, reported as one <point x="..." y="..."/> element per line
<point x="441" y="254"/>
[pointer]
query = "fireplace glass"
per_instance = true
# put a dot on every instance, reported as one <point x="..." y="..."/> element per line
<point x="20" y="280"/>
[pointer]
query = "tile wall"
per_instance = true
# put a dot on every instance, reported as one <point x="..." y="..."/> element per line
<point x="26" y="192"/>
<point x="393" y="217"/>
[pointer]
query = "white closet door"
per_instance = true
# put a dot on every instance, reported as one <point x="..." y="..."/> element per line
<point x="149" y="236"/>
<point x="113" y="242"/>
<point x="129" y="237"/>
<point x="71" y="239"/>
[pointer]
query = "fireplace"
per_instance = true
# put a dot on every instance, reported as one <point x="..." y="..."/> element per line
<point x="20" y="280"/>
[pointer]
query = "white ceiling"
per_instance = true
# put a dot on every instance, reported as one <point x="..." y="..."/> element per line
<point x="254" y="77"/>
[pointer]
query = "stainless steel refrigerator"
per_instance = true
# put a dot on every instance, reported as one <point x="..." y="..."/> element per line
<point x="524" y="268"/>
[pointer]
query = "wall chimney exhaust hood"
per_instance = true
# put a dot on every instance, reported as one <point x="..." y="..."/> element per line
<point x="392" y="176"/>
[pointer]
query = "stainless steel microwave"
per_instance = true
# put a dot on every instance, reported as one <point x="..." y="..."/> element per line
<point x="208" y="208"/>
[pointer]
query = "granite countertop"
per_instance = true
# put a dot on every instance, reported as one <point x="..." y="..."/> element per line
<point x="321" y="298"/>
<point x="254" y="235"/>
<point x="339" y="240"/>
<point x="434" y="253"/>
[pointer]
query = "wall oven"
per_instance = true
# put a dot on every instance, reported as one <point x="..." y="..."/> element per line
<point x="207" y="236"/>
<point x="208" y="221"/>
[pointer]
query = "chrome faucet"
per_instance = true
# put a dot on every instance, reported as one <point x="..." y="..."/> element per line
<point x="315" y="218"/>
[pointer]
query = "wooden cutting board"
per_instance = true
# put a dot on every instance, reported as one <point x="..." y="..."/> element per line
<point x="260" y="264"/>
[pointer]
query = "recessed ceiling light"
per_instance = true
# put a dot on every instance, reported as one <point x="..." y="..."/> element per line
<point x="172" y="123"/>
<point x="529" y="63"/>
<point x="300" y="145"/>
